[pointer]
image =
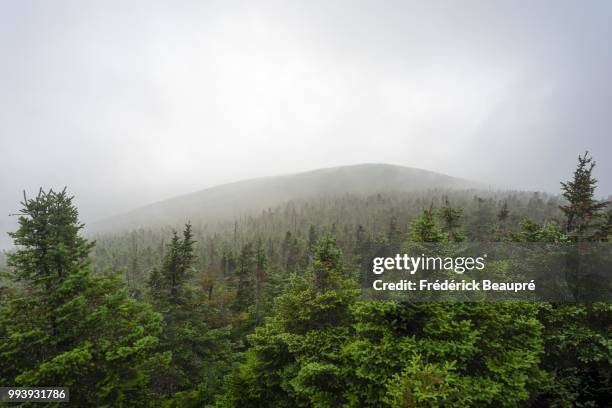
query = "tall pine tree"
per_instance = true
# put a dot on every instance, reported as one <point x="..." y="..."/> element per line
<point x="66" y="327"/>
<point x="198" y="352"/>
<point x="583" y="213"/>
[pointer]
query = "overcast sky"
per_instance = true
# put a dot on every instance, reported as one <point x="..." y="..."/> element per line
<point x="130" y="102"/>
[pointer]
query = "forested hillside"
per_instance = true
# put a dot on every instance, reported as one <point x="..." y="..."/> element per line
<point x="264" y="309"/>
<point x="251" y="196"/>
<point x="362" y="225"/>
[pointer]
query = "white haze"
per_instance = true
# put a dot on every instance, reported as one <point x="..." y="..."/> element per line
<point x="130" y="102"/>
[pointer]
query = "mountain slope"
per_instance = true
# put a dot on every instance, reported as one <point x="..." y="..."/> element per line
<point x="229" y="200"/>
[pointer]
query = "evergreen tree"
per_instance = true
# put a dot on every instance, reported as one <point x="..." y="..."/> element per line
<point x="260" y="276"/>
<point x="290" y="252"/>
<point x="198" y="353"/>
<point x="65" y="326"/>
<point x="504" y="213"/>
<point x="245" y="275"/>
<point x="312" y="239"/>
<point x="293" y="256"/>
<point x="451" y="218"/>
<point x="425" y="228"/>
<point x="228" y="263"/>
<point x="294" y="359"/>
<point x="482" y="222"/>
<point x="394" y="235"/>
<point x="577" y="338"/>
<point x="583" y="212"/>
<point x="363" y="254"/>
<point x="133" y="272"/>
<point x="321" y="348"/>
<point x="503" y="216"/>
<point x="169" y="284"/>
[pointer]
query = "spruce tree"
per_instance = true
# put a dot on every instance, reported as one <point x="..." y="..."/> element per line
<point x="312" y="239"/>
<point x="394" y="235"/>
<point x="198" y="353"/>
<point x="245" y="276"/>
<point x="577" y="341"/>
<point x="451" y="218"/>
<point x="583" y="213"/>
<point x="503" y="213"/>
<point x="295" y="358"/>
<point x="425" y="229"/>
<point x="66" y="327"/>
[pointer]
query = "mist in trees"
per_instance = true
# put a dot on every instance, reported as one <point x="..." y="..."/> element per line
<point x="266" y="310"/>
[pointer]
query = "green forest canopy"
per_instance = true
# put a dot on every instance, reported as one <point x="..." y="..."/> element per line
<point x="265" y="311"/>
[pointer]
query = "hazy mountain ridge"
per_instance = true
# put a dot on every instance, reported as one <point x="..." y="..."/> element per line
<point x="249" y="196"/>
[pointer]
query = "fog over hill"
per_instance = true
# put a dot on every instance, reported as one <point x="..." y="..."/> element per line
<point x="249" y="196"/>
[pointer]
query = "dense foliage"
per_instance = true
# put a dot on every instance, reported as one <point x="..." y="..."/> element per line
<point x="266" y="311"/>
<point x="63" y="325"/>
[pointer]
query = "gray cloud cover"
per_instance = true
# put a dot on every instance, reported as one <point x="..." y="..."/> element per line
<point x="131" y="102"/>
